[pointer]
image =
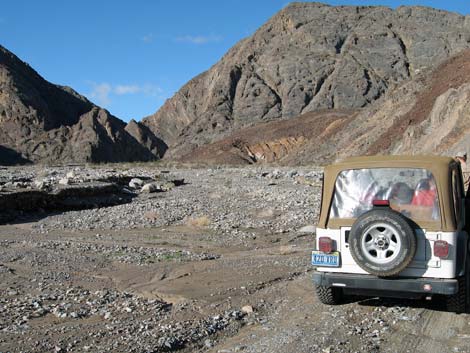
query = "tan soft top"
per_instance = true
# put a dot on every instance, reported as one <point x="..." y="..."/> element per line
<point x="439" y="166"/>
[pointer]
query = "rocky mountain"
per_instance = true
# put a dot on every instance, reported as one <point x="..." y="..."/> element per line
<point x="307" y="58"/>
<point x="43" y="122"/>
<point x="429" y="114"/>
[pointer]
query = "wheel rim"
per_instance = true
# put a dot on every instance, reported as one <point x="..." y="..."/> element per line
<point x="381" y="243"/>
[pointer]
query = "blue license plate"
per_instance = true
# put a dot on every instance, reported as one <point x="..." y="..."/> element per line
<point x="328" y="260"/>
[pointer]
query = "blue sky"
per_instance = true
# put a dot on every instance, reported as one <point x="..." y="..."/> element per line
<point x="129" y="56"/>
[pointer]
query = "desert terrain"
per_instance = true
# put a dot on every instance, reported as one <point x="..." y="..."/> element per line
<point x="191" y="229"/>
<point x="146" y="258"/>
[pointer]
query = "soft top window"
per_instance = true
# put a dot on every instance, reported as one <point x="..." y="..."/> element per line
<point x="410" y="191"/>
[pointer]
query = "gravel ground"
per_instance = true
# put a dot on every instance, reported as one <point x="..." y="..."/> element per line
<point x="217" y="263"/>
<point x="232" y="200"/>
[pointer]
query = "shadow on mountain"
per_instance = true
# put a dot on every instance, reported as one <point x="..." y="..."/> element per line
<point x="9" y="157"/>
<point x="156" y="143"/>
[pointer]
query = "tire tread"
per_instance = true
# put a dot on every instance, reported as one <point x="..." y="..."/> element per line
<point x="329" y="295"/>
<point x="459" y="302"/>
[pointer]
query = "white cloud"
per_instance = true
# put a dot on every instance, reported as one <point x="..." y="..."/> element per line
<point x="101" y="92"/>
<point x="151" y="90"/>
<point x="147" y="89"/>
<point x="148" y="38"/>
<point x="126" y="89"/>
<point x="199" y="39"/>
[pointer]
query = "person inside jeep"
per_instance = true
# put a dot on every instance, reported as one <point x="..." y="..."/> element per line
<point x="400" y="193"/>
<point x="412" y="192"/>
<point x="425" y="193"/>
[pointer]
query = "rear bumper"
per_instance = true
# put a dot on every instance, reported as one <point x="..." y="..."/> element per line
<point x="372" y="283"/>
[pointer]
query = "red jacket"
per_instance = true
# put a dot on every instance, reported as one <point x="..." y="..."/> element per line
<point x="424" y="198"/>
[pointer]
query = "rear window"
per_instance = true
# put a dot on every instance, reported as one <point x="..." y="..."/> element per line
<point x="412" y="192"/>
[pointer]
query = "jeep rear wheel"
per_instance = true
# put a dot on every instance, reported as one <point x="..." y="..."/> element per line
<point x="329" y="295"/>
<point x="382" y="242"/>
<point x="459" y="302"/>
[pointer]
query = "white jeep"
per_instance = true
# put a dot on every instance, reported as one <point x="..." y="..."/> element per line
<point x="393" y="226"/>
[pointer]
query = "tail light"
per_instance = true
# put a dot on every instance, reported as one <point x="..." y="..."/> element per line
<point x="325" y="244"/>
<point x="441" y="249"/>
<point x="380" y="203"/>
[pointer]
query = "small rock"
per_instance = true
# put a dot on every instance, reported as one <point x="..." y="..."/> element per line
<point x="149" y="188"/>
<point x="308" y="229"/>
<point x="247" y="309"/>
<point x="166" y="186"/>
<point x="292" y="173"/>
<point x="107" y="315"/>
<point x="39" y="184"/>
<point x="158" y="186"/>
<point x="136" y="183"/>
<point x="64" y="181"/>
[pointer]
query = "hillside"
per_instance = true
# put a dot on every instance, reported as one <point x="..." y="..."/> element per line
<point x="428" y="115"/>
<point x="307" y="58"/>
<point x="47" y="123"/>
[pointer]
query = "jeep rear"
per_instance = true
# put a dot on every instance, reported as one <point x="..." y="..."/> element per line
<point x="393" y="226"/>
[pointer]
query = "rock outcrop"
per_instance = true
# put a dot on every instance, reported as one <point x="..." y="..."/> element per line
<point x="276" y="141"/>
<point x="43" y="122"/>
<point x="308" y="57"/>
<point x="428" y="115"/>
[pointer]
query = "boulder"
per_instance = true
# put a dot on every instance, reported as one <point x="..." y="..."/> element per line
<point x="149" y="188"/>
<point x="158" y="186"/>
<point x="136" y="183"/>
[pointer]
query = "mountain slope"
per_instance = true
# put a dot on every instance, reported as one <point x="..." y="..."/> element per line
<point x="43" y="122"/>
<point x="308" y="57"/>
<point x="428" y="115"/>
<point x="276" y="141"/>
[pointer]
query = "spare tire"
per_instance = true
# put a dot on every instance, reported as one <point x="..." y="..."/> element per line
<point x="382" y="242"/>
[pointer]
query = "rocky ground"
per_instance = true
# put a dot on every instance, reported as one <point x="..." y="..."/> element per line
<point x="143" y="259"/>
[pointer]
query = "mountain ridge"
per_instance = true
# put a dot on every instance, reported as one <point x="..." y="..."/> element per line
<point x="47" y="123"/>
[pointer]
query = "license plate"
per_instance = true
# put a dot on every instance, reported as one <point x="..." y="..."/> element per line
<point x="328" y="260"/>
